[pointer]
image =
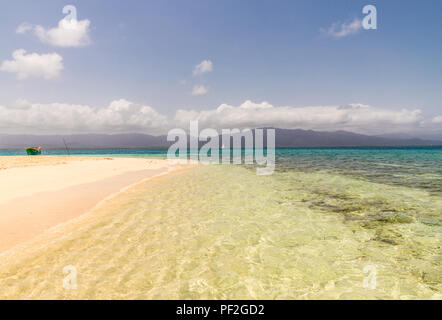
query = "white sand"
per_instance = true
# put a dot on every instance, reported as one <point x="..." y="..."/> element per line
<point x="24" y="181"/>
<point x="36" y="195"/>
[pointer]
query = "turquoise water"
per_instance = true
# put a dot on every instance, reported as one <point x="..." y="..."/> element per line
<point x="412" y="167"/>
<point x="162" y="153"/>
<point x="322" y="226"/>
<point x="417" y="167"/>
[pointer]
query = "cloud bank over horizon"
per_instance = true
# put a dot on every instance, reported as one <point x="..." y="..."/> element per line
<point x="123" y="116"/>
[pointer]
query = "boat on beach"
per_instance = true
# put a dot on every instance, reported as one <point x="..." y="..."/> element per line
<point x="33" y="151"/>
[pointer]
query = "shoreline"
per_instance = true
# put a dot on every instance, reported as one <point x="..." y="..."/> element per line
<point x="73" y="188"/>
<point x="203" y="231"/>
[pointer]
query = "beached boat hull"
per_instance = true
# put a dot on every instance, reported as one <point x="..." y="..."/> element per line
<point x="33" y="152"/>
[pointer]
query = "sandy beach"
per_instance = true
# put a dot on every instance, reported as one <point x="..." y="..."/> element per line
<point x="218" y="232"/>
<point x="37" y="193"/>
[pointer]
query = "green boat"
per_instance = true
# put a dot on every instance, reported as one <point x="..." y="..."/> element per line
<point x="33" y="151"/>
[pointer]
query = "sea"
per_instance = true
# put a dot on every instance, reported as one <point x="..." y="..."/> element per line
<point x="329" y="223"/>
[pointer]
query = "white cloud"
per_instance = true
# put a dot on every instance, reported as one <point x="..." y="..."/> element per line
<point x="199" y="90"/>
<point x="122" y="115"/>
<point x="437" y="119"/>
<point x="118" y="116"/>
<point x="203" y="67"/>
<point x="339" y="30"/>
<point x="68" y="33"/>
<point x="353" y="117"/>
<point x="24" y="27"/>
<point x="24" y="65"/>
<point x="21" y="104"/>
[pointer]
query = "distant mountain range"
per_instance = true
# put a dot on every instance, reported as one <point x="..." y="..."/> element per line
<point x="289" y="138"/>
<point x="310" y="138"/>
<point x="87" y="141"/>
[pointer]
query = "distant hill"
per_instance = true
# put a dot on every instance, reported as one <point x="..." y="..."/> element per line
<point x="284" y="138"/>
<point x="80" y="141"/>
<point x="310" y="138"/>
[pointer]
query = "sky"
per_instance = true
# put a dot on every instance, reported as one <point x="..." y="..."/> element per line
<point x="149" y="66"/>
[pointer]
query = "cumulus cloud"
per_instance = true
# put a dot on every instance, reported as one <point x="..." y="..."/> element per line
<point x="199" y="90"/>
<point x="118" y="116"/>
<point x="24" y="27"/>
<point x="68" y="33"/>
<point x="21" y="104"/>
<point x="24" y="65"/>
<point x="203" y="67"/>
<point x="437" y="119"/>
<point x="122" y="115"/>
<point x="353" y="117"/>
<point x="340" y="30"/>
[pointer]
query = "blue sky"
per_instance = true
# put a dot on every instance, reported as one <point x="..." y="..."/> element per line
<point x="273" y="51"/>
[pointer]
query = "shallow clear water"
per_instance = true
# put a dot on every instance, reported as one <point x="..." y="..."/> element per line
<point x="417" y="167"/>
<point x="307" y="231"/>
